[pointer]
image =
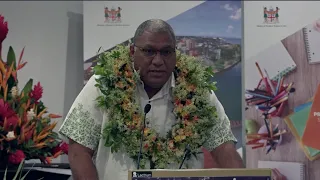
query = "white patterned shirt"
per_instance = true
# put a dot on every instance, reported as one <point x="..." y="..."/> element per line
<point x="85" y="122"/>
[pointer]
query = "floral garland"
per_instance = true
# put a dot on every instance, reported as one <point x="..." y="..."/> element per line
<point x="117" y="81"/>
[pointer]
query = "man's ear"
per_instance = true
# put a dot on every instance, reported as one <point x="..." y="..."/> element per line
<point x="131" y="50"/>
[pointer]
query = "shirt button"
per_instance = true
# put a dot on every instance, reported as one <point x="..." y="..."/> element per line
<point x="148" y="125"/>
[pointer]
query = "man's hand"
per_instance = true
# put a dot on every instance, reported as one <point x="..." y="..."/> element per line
<point x="227" y="156"/>
<point x="80" y="159"/>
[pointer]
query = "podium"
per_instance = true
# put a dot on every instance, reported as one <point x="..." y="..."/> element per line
<point x="201" y="174"/>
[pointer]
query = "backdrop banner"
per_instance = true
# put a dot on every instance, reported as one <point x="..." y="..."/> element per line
<point x="208" y="30"/>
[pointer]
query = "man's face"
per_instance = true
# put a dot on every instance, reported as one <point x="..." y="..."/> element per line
<point x="154" y="55"/>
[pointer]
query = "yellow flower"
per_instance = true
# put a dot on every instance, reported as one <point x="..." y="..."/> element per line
<point x="125" y="106"/>
<point x="130" y="89"/>
<point x="138" y="124"/>
<point x="130" y="80"/>
<point x="179" y="108"/>
<point x="128" y="74"/>
<point x="181" y="79"/>
<point x="188" y="123"/>
<point x="135" y="118"/>
<point x="179" y="138"/>
<point x="119" y="85"/>
<point x="116" y="69"/>
<point x="184" y="113"/>
<point x="127" y="67"/>
<point x="191" y="87"/>
<point x="159" y="147"/>
<point x="130" y="125"/>
<point x="180" y="131"/>
<point x="126" y="100"/>
<point x="188" y="132"/>
<point x="146" y="131"/>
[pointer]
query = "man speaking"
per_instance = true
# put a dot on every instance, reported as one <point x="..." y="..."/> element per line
<point x="147" y="106"/>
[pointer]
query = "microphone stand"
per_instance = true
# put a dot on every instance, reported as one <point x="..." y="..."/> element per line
<point x="146" y="110"/>
<point x="186" y="153"/>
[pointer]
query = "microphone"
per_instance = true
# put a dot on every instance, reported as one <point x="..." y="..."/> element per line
<point x="147" y="108"/>
<point x="186" y="153"/>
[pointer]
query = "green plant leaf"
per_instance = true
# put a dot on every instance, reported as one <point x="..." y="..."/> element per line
<point x="21" y="172"/>
<point x="28" y="87"/>
<point x="39" y="126"/>
<point x="11" y="82"/>
<point x="27" y="173"/>
<point x="40" y="107"/>
<point x="5" y="174"/>
<point x="115" y="54"/>
<point x="18" y="170"/>
<point x="11" y="58"/>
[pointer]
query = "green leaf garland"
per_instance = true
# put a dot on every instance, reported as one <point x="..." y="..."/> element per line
<point x="195" y="116"/>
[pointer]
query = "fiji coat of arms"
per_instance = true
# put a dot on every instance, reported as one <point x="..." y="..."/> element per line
<point x="112" y="15"/>
<point x="271" y="15"/>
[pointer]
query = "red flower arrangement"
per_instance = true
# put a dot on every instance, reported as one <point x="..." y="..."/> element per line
<point x="26" y="130"/>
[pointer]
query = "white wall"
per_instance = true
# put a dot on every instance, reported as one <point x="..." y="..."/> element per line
<point x="52" y="35"/>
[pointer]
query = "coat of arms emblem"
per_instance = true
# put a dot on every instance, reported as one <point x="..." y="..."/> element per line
<point x="271" y="15"/>
<point x="112" y="15"/>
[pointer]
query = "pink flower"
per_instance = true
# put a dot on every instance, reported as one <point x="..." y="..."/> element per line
<point x="3" y="31"/>
<point x="8" y="118"/>
<point x="62" y="147"/>
<point x="16" y="157"/>
<point x="36" y="93"/>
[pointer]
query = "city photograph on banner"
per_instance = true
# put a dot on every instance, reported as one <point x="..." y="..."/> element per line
<point x="210" y="32"/>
